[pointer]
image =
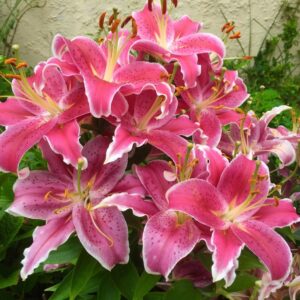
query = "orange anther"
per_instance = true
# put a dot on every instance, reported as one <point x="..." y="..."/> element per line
<point x="126" y="21"/>
<point x="134" y="28"/>
<point x="150" y="5"/>
<point x="175" y="2"/>
<point x="12" y="76"/>
<point x="236" y="35"/>
<point x="115" y="25"/>
<point x="22" y="65"/>
<point x="101" y="20"/>
<point x="247" y="57"/>
<point x="164" y="7"/>
<point x="10" y="61"/>
<point x="229" y="29"/>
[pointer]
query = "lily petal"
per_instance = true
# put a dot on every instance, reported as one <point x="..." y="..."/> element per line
<point x="45" y="239"/>
<point x="277" y="213"/>
<point x="227" y="249"/>
<point x="166" y="242"/>
<point x="266" y="244"/>
<point x="199" y="199"/>
<point x="103" y="233"/>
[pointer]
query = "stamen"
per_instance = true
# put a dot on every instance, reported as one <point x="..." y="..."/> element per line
<point x="12" y="76"/>
<point x="229" y="29"/>
<point x="175" y="2"/>
<point x="236" y="35"/>
<point x="115" y="25"/>
<point x="22" y="65"/>
<point x="126" y="21"/>
<point x="150" y="5"/>
<point x="10" y="61"/>
<point x="134" y="28"/>
<point x="247" y="57"/>
<point x="101" y="20"/>
<point x="109" y="239"/>
<point x="163" y="6"/>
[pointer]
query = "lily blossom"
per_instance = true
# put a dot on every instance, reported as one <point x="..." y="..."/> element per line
<point x="45" y="105"/>
<point x="168" y="235"/>
<point x="106" y="72"/>
<point x="239" y="213"/>
<point x="78" y="201"/>
<point x="175" y="41"/>
<point x="150" y="118"/>
<point x="259" y="140"/>
<point x="214" y="100"/>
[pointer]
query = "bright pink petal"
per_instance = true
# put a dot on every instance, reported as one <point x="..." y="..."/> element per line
<point x="266" y="244"/>
<point x="55" y="163"/>
<point x="19" y="138"/>
<point x="282" y="148"/>
<point x="211" y="129"/>
<point x="169" y="143"/>
<point x="166" y="242"/>
<point x="123" y="141"/>
<point x="45" y="239"/>
<point x="103" y="233"/>
<point x="235" y="181"/>
<point x="129" y="184"/>
<point x="199" y="199"/>
<point x="11" y="112"/>
<point x="152" y="178"/>
<point x="148" y="23"/>
<point x="185" y="26"/>
<point x="64" y="139"/>
<point x="199" y="43"/>
<point x="277" y="213"/>
<point x="181" y="126"/>
<point x="40" y="195"/>
<point x="227" y="249"/>
<point x="189" y="68"/>
<point x="103" y="177"/>
<point x="125" y="201"/>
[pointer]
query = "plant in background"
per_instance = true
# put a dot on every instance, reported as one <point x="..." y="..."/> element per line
<point x="160" y="179"/>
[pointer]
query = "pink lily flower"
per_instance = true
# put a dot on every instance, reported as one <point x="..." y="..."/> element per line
<point x="78" y="201"/>
<point x="150" y="119"/>
<point x="259" y="140"/>
<point x="239" y="213"/>
<point x="45" y="105"/>
<point x="175" y="41"/>
<point x="168" y="236"/>
<point x="213" y="101"/>
<point x="106" y="71"/>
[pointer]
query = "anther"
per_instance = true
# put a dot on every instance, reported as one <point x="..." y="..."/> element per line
<point x="115" y="25"/>
<point x="163" y="7"/>
<point x="150" y="2"/>
<point x="101" y="20"/>
<point x="229" y="29"/>
<point x="134" y="28"/>
<point x="247" y="57"/>
<point x="126" y="21"/>
<point x="22" y="65"/>
<point x="12" y="76"/>
<point x="10" y="61"/>
<point x="175" y="3"/>
<point x="236" y="35"/>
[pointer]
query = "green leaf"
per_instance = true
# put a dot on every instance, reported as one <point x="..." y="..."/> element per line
<point x="66" y="253"/>
<point x="155" y="296"/>
<point x="145" y="283"/>
<point x="9" y="227"/>
<point x="248" y="261"/>
<point x="82" y="273"/>
<point x="108" y="289"/>
<point x="63" y="289"/>
<point x="126" y="278"/>
<point x="242" y="282"/>
<point x="10" y="280"/>
<point x="183" y="289"/>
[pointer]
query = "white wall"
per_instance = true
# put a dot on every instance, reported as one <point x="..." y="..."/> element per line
<point x="80" y="17"/>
